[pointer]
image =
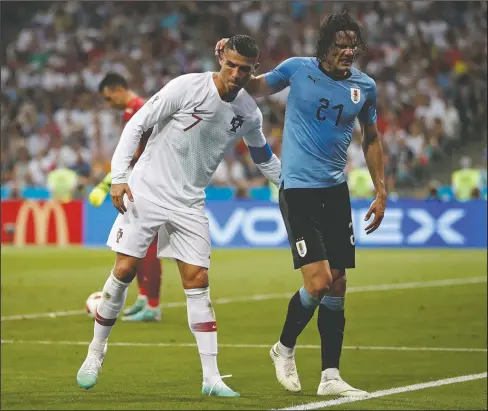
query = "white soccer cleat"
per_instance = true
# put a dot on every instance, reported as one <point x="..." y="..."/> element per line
<point x="88" y="373"/>
<point x="331" y="383"/>
<point x="286" y="370"/>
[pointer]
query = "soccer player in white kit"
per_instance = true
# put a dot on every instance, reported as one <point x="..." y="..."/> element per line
<point x="196" y="117"/>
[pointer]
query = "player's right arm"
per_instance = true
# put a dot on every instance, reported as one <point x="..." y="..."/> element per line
<point x="271" y="82"/>
<point x="162" y="105"/>
<point x="259" y="87"/>
<point x="100" y="191"/>
<point x="275" y="80"/>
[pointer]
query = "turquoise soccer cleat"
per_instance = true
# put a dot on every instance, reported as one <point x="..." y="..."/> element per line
<point x="87" y="375"/>
<point x="219" y="389"/>
<point x="140" y="303"/>
<point x="146" y="314"/>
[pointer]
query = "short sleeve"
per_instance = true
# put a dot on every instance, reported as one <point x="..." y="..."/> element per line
<point x="279" y="78"/>
<point x="255" y="136"/>
<point x="367" y="115"/>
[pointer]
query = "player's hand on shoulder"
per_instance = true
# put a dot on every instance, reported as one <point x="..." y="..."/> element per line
<point x="220" y="46"/>
<point x="117" y="192"/>
<point x="377" y="208"/>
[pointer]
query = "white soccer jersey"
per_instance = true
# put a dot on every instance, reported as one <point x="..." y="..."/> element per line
<point x="194" y="128"/>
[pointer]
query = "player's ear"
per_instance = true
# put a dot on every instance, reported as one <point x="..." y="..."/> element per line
<point x="221" y="57"/>
<point x="256" y="67"/>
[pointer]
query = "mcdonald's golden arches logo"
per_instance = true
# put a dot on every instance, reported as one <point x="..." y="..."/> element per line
<point x="40" y="216"/>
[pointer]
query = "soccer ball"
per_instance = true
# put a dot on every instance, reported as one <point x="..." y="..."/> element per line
<point x="92" y="303"/>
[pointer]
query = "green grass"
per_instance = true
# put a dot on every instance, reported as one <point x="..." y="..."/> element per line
<point x="40" y="376"/>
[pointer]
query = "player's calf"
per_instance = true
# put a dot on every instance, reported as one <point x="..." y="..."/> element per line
<point x="203" y="325"/>
<point x="114" y="294"/>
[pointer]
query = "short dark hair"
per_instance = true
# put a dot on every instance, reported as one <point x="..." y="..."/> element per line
<point x="112" y="80"/>
<point x="336" y="22"/>
<point x="243" y="44"/>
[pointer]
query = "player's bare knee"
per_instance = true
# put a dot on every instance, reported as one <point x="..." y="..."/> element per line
<point x="321" y="286"/>
<point x="318" y="282"/>
<point x="338" y="288"/>
<point x="196" y="277"/>
<point x="125" y="268"/>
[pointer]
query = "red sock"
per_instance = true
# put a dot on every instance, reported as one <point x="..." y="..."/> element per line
<point x="152" y="275"/>
<point x="140" y="282"/>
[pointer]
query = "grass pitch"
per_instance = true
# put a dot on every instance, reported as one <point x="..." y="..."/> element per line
<point x="433" y="299"/>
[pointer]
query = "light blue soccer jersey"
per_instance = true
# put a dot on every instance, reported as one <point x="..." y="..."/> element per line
<point x="319" y="121"/>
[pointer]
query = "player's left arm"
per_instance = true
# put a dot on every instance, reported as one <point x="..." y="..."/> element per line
<point x="261" y="153"/>
<point x="373" y="153"/>
<point x="97" y="195"/>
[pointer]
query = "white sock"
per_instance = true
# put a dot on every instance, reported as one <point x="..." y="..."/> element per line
<point x="285" y="351"/>
<point x="201" y="319"/>
<point x="330" y="373"/>
<point x="113" y="298"/>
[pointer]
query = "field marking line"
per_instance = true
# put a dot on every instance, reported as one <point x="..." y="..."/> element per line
<point x="265" y="297"/>
<point x="143" y="344"/>
<point x="384" y="393"/>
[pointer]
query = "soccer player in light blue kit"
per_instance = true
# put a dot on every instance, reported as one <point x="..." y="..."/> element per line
<point x="326" y="96"/>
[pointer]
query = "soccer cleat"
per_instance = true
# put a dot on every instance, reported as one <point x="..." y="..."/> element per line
<point x="140" y="303"/>
<point x="286" y="370"/>
<point x="218" y="388"/>
<point x="331" y="383"/>
<point x="88" y="373"/>
<point x="146" y="314"/>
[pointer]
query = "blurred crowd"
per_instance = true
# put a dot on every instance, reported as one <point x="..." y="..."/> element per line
<point x="428" y="60"/>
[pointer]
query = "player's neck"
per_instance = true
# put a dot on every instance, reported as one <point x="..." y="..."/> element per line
<point x="327" y="69"/>
<point x="224" y="93"/>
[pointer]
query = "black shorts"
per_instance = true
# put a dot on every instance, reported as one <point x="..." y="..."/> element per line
<point x="319" y="225"/>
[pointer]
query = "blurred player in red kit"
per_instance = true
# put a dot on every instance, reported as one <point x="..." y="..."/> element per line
<point x="116" y="92"/>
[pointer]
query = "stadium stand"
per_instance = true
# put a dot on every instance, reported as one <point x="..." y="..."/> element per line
<point x="429" y="64"/>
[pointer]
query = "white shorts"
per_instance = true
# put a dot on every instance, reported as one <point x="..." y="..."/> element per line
<point x="182" y="236"/>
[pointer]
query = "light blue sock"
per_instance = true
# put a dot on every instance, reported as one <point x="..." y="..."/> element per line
<point x="333" y="303"/>
<point x="307" y="300"/>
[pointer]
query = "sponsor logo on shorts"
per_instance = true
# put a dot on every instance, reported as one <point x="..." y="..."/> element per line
<point x="120" y="233"/>
<point x="301" y="247"/>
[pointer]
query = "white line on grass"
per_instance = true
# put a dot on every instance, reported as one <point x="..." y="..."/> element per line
<point x="142" y="344"/>
<point x="383" y="393"/>
<point x="264" y="297"/>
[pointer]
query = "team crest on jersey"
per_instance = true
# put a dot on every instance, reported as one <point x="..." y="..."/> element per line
<point x="301" y="247"/>
<point x="355" y="95"/>
<point x="236" y="122"/>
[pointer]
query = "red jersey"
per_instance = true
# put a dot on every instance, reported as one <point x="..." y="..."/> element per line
<point x="133" y="106"/>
